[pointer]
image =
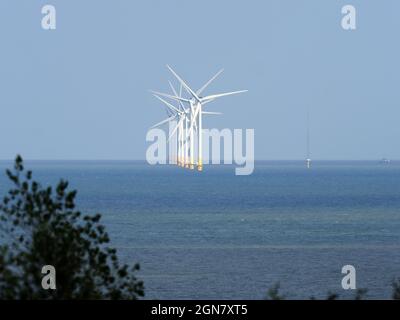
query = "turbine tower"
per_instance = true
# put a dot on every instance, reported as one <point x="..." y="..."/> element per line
<point x="308" y="160"/>
<point x="192" y="116"/>
<point x="180" y="129"/>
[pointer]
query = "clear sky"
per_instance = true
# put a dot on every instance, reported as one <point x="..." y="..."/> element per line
<point x="81" y="91"/>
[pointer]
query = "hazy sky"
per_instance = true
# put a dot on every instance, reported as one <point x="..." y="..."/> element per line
<point x="81" y="91"/>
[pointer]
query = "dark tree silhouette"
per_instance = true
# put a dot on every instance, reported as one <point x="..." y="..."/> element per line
<point x="274" y="294"/>
<point x="396" y="289"/>
<point x="40" y="226"/>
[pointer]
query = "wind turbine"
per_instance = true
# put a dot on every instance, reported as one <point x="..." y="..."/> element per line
<point x="179" y="114"/>
<point x="181" y="132"/>
<point x="308" y="160"/>
<point x="196" y="103"/>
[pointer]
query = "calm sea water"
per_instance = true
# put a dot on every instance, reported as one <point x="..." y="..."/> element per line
<point x="215" y="235"/>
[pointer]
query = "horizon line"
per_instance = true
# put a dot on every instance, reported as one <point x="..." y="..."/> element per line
<point x="144" y="160"/>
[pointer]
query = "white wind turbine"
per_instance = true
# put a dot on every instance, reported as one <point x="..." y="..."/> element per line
<point x="175" y="113"/>
<point x="181" y="129"/>
<point x="308" y="160"/>
<point x="196" y="103"/>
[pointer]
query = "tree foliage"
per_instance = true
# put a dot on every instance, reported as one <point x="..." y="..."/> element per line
<point x="274" y="294"/>
<point x="40" y="226"/>
<point x="396" y="289"/>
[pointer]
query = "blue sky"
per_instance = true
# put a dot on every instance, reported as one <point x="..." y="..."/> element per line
<point x="81" y="91"/>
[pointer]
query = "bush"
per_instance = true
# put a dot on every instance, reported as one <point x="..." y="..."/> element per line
<point x="40" y="226"/>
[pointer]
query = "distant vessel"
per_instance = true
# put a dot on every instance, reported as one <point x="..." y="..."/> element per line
<point x="308" y="159"/>
<point x="385" y="161"/>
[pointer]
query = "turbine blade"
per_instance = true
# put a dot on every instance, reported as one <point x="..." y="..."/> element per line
<point x="208" y="82"/>
<point x="210" y="112"/>
<point x="194" y="116"/>
<point x="208" y="101"/>
<point x="168" y="104"/>
<point x="168" y="112"/>
<point x="174" y="91"/>
<point x="184" y="84"/>
<point x="214" y="96"/>
<point x="170" y="96"/>
<point x="176" y="127"/>
<point x="162" y="122"/>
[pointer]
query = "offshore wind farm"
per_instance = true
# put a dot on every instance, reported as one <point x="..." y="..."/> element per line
<point x="189" y="117"/>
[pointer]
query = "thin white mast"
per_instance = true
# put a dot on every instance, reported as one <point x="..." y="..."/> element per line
<point x="308" y="160"/>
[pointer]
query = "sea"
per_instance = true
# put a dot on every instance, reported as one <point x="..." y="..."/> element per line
<point x="215" y="235"/>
